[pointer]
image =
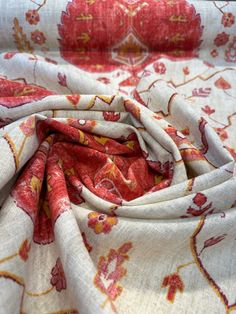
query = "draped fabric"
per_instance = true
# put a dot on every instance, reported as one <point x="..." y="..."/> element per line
<point x="117" y="157"/>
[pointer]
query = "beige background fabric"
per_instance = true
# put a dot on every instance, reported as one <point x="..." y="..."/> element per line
<point x="150" y="80"/>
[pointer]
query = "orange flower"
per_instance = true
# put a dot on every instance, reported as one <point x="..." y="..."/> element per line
<point x="221" y="83"/>
<point x="24" y="250"/>
<point x="101" y="223"/>
<point x="175" y="283"/>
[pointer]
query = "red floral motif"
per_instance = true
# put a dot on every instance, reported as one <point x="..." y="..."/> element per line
<point x="62" y="79"/>
<point x="74" y="193"/>
<point x="186" y="71"/>
<point x="9" y="55"/>
<point x="74" y="99"/>
<point x="175" y="284"/>
<point x="222" y="133"/>
<point x="43" y="229"/>
<point x="58" y="279"/>
<point x="185" y="131"/>
<point x="111" y="115"/>
<point x="230" y="53"/>
<point x="232" y="151"/>
<point x="38" y="37"/>
<point x="221" y="39"/>
<point x="14" y="94"/>
<point x="28" y="126"/>
<point x="58" y="197"/>
<point x="202" y="126"/>
<point x="208" y="110"/>
<point x="180" y="31"/>
<point x="32" y="17"/>
<point x="159" y="67"/>
<point x="24" y="250"/>
<point x="166" y="169"/>
<point x="214" y="53"/>
<point x="138" y="98"/>
<point x="227" y="19"/>
<point x="101" y="223"/>
<point x="132" y="108"/>
<point x="221" y="83"/>
<point x="88" y="247"/>
<point x="104" y="80"/>
<point x="110" y="271"/>
<point x="200" y="201"/>
<point x="212" y="241"/>
<point x="26" y="191"/>
<point x="201" y="92"/>
<point x="96" y="49"/>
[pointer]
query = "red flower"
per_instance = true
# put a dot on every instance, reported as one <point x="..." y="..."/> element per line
<point x="58" y="277"/>
<point x="208" y="110"/>
<point x="74" y="99"/>
<point x="28" y="126"/>
<point x="221" y="83"/>
<point x="186" y="71"/>
<point x="227" y="19"/>
<point x="159" y="67"/>
<point x="175" y="283"/>
<point x="221" y="39"/>
<point x="214" y="53"/>
<point x="185" y="131"/>
<point x="212" y="241"/>
<point x="111" y="116"/>
<point x="24" y="250"/>
<point x="38" y="37"/>
<point x="110" y="271"/>
<point x="101" y="223"/>
<point x="32" y="17"/>
<point x="200" y="199"/>
<point x="62" y="79"/>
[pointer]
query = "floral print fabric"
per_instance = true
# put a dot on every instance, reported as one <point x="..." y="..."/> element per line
<point x="117" y="157"/>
